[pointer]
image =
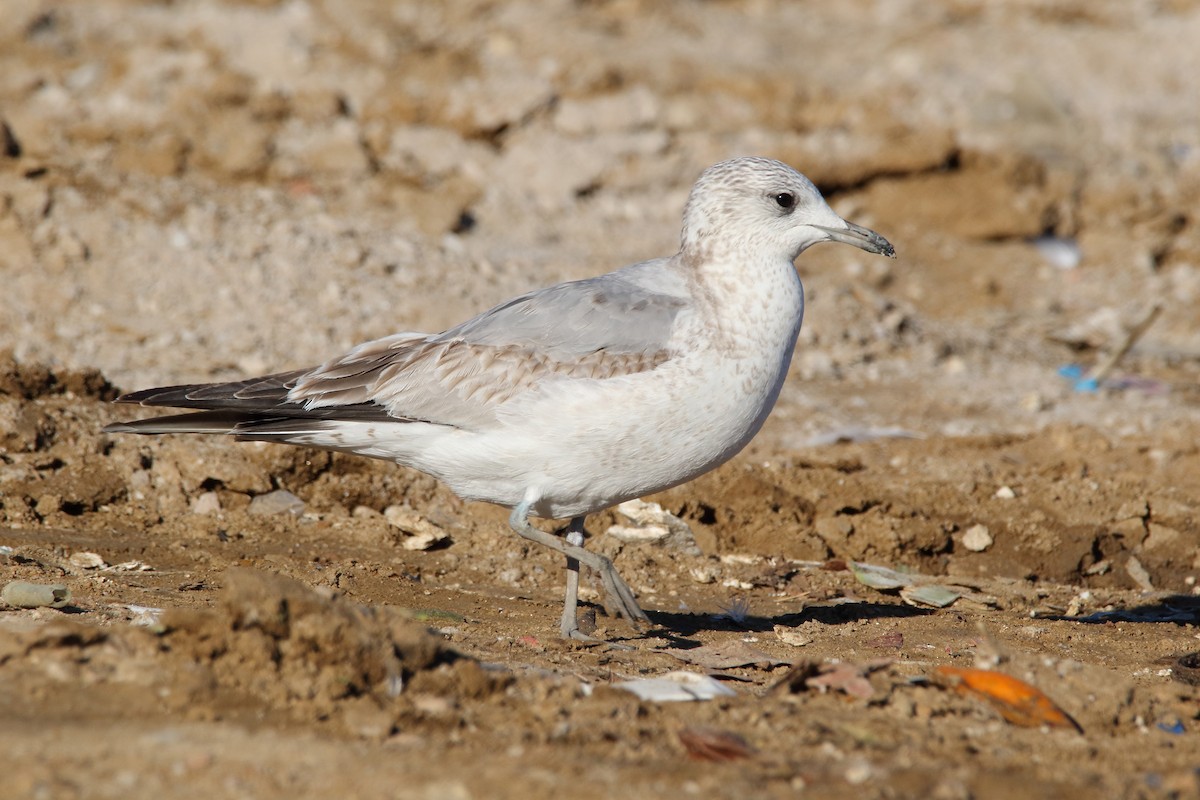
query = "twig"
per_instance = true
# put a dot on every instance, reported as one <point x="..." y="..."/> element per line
<point x="1136" y="332"/>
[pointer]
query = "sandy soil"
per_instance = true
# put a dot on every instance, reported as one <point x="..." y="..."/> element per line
<point x="200" y="190"/>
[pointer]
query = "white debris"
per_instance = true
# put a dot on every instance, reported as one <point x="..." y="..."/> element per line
<point x="206" y="503"/>
<point x="791" y="636"/>
<point x="87" y="560"/>
<point x="279" y="501"/>
<point x="977" y="538"/>
<point x="677" y="686"/>
<point x="419" y="533"/>
<point x="652" y="524"/>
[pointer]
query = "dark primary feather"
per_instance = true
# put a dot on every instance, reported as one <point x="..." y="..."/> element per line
<point x="254" y="394"/>
<point x="238" y="407"/>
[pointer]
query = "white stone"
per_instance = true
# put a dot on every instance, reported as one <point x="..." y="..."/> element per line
<point x="977" y="538"/>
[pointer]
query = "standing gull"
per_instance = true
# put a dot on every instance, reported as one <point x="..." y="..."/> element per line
<point x="577" y="397"/>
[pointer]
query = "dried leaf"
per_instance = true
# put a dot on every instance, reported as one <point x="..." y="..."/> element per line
<point x="878" y="577"/>
<point x="714" y="744"/>
<point x="1015" y="700"/>
<point x="929" y="595"/>
<point x="850" y="679"/>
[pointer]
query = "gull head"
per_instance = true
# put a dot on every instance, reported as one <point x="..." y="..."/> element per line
<point x="757" y="205"/>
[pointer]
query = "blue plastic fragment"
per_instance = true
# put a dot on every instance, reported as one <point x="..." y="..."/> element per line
<point x="1175" y="729"/>
<point x="1075" y="373"/>
<point x="1072" y="371"/>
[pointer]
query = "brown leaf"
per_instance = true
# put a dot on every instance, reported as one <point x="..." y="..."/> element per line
<point x="848" y="678"/>
<point x="714" y="744"/>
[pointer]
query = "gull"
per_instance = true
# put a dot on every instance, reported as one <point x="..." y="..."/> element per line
<point x="576" y="397"/>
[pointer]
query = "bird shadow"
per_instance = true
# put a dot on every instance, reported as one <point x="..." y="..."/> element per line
<point x="1180" y="609"/>
<point x="679" y="627"/>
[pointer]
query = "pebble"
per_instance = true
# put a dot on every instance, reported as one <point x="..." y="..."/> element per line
<point x="977" y="538"/>
<point x="87" y="560"/>
<point x="206" y="503"/>
<point x="420" y="533"/>
<point x="279" y="501"/>
<point x="792" y="636"/>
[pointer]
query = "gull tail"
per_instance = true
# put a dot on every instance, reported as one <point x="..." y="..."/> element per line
<point x="255" y="409"/>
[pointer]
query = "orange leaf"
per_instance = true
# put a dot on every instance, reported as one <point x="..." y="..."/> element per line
<point x="1016" y="701"/>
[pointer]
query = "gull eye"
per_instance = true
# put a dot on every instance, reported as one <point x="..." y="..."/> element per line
<point x="785" y="200"/>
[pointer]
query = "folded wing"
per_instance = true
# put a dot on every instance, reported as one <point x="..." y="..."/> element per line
<point x="597" y="328"/>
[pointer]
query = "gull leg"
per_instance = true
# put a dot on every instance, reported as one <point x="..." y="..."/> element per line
<point x="619" y="597"/>
<point x="569" y="627"/>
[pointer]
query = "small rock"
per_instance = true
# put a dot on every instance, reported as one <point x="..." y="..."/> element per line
<point x="977" y="538"/>
<point x="279" y="501"/>
<point x="87" y="560"/>
<point x="792" y="636"/>
<point x="1005" y="493"/>
<point x="206" y="503"/>
<point x="420" y="533"/>
<point x="49" y="503"/>
<point x="1139" y="574"/>
<point x="1063" y="253"/>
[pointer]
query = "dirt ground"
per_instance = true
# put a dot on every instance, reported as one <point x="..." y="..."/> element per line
<point x="195" y="191"/>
